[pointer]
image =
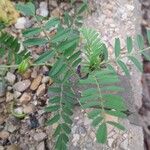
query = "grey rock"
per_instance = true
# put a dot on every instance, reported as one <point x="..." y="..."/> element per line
<point x="40" y="136"/>
<point x="10" y="77"/>
<point x="10" y="127"/>
<point x="22" y="85"/>
<point x="41" y="146"/>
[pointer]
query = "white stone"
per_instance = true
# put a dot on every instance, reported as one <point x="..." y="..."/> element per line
<point x="22" y="23"/>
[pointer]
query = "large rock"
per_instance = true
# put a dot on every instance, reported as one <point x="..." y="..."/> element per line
<point x="22" y="85"/>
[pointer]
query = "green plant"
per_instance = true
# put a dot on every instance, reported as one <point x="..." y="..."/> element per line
<point x="76" y="50"/>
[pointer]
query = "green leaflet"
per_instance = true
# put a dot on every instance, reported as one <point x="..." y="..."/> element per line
<point x="97" y="121"/>
<point x="52" y="108"/>
<point x="53" y="120"/>
<point x="101" y="134"/>
<point x="10" y="46"/>
<point x="117" y="125"/>
<point x="27" y="9"/>
<point x="90" y="91"/>
<point x="116" y="113"/>
<point x="46" y="56"/>
<point x="123" y="67"/>
<point x="140" y="41"/>
<point x="56" y="67"/>
<point x="68" y="19"/>
<point x="148" y="36"/>
<point x="94" y="113"/>
<point x="112" y="88"/>
<point x="61" y="36"/>
<point x="115" y="104"/>
<point x="129" y="44"/>
<point x="53" y="22"/>
<point x="82" y="8"/>
<point x="66" y="128"/>
<point x="35" y="42"/>
<point x="66" y="119"/>
<point x="136" y="62"/>
<point x="31" y="32"/>
<point x="117" y="47"/>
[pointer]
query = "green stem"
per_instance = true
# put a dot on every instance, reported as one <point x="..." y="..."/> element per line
<point x="101" y="99"/>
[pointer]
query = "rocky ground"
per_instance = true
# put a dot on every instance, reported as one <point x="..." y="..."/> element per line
<point x="28" y="93"/>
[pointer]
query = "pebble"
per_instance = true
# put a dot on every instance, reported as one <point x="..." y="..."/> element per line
<point x="9" y="97"/>
<point x="4" y="135"/>
<point x="45" y="79"/>
<point x="53" y="3"/>
<point x="41" y="90"/>
<point x="17" y="94"/>
<point x="56" y="12"/>
<point x="40" y="136"/>
<point x="34" y="73"/>
<point x="13" y="147"/>
<point x="2" y="88"/>
<point x="36" y="82"/>
<point x="10" y="127"/>
<point x="18" y="110"/>
<point x="2" y="148"/>
<point x="22" y="85"/>
<point x="27" y="74"/>
<point x="28" y="109"/>
<point x="23" y="23"/>
<point x="25" y="98"/>
<point x="41" y="146"/>
<point x="10" y="77"/>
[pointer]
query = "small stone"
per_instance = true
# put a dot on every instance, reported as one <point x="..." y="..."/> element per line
<point x="9" y="97"/>
<point x="18" y="110"/>
<point x="45" y="79"/>
<point x="56" y="12"/>
<point x="53" y="3"/>
<point x="2" y="148"/>
<point x="40" y="136"/>
<point x="27" y="74"/>
<point x="36" y="82"/>
<point x="42" y="121"/>
<point x="13" y="147"/>
<point x="2" y="88"/>
<point x="22" y="23"/>
<point x="41" y="146"/>
<point x="22" y="85"/>
<point x="10" y="77"/>
<point x="4" y="135"/>
<point x="34" y="73"/>
<point x="17" y="94"/>
<point x="41" y="90"/>
<point x="29" y="109"/>
<point x="25" y="98"/>
<point x="43" y="11"/>
<point x="10" y="127"/>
